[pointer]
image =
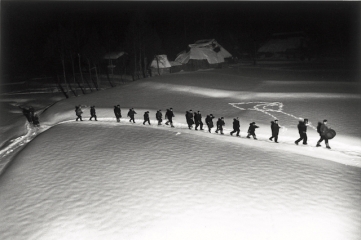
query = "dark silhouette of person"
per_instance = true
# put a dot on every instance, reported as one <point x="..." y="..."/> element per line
<point x="209" y="122"/>
<point x="78" y="113"/>
<point x="117" y="112"/>
<point x="220" y="124"/>
<point x="146" y="118"/>
<point x="302" y="130"/>
<point x="131" y="114"/>
<point x="322" y="129"/>
<point x="236" y="127"/>
<point x="198" y="120"/>
<point x="252" y="130"/>
<point x="169" y="115"/>
<point x="159" y="116"/>
<point x="92" y="113"/>
<point x="189" y="118"/>
<point x="275" y="128"/>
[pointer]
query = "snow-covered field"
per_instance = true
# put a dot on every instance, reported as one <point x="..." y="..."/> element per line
<point x="109" y="180"/>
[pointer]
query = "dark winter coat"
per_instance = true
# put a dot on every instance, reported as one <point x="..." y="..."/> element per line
<point x="92" y="111"/>
<point x="197" y="117"/>
<point x="189" y="117"/>
<point x="302" y="128"/>
<point x="220" y="123"/>
<point x="131" y="113"/>
<point x="78" y="111"/>
<point x="158" y="115"/>
<point x="323" y="129"/>
<point x="236" y="124"/>
<point x="146" y="116"/>
<point x="252" y="128"/>
<point x="209" y="121"/>
<point x="117" y="111"/>
<point x="169" y="114"/>
<point x="275" y="128"/>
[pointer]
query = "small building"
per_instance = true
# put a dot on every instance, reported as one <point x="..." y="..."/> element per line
<point x="160" y="65"/>
<point x="203" y="54"/>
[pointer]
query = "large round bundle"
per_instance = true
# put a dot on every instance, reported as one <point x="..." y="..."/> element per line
<point x="330" y="133"/>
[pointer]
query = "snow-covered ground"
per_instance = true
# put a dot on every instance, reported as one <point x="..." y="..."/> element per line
<point x="109" y="180"/>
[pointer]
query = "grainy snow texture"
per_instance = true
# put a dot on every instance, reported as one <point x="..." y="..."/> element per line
<point x="109" y="180"/>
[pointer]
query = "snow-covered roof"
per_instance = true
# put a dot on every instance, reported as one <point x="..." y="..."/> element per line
<point x="204" y="49"/>
<point x="162" y="62"/>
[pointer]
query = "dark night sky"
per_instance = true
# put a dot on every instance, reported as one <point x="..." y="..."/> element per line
<point x="25" y="26"/>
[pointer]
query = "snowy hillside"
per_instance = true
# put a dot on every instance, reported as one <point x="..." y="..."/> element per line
<point x="109" y="180"/>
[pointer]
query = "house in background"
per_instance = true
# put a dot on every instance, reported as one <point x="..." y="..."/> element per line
<point x="289" y="45"/>
<point x="160" y="65"/>
<point x="203" y="54"/>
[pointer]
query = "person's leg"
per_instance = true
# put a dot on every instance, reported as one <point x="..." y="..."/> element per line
<point x="327" y="145"/>
<point x="305" y="139"/>
<point x="319" y="142"/>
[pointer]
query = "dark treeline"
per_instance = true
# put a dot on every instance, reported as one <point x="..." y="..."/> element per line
<point x="65" y="38"/>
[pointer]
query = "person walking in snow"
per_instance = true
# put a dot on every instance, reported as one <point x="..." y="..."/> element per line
<point x="252" y="130"/>
<point x="302" y="130"/>
<point x="92" y="113"/>
<point x="236" y="127"/>
<point x="322" y="128"/>
<point x="220" y="124"/>
<point x="198" y="120"/>
<point x="169" y="115"/>
<point x="209" y="122"/>
<point x="146" y="118"/>
<point x="78" y="113"/>
<point x="117" y="112"/>
<point x="131" y="114"/>
<point x="275" y="128"/>
<point x="159" y="116"/>
<point x="189" y="118"/>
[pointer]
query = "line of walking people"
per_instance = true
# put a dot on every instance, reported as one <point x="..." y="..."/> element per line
<point x="196" y="119"/>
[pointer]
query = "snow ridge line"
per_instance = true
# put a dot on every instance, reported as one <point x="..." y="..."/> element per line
<point x="34" y="131"/>
<point x="266" y="107"/>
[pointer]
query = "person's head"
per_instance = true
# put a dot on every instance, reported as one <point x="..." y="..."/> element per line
<point x="276" y="121"/>
<point x="171" y="109"/>
<point x="118" y="105"/>
<point x="160" y="110"/>
<point x="305" y="120"/>
<point x="190" y="110"/>
<point x="325" y="121"/>
<point x="222" y="118"/>
<point x="253" y="123"/>
<point x="199" y="111"/>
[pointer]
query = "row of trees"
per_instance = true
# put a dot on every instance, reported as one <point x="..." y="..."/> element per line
<point x="74" y="48"/>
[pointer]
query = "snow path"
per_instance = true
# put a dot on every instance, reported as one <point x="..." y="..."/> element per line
<point x="341" y="153"/>
<point x="109" y="180"/>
